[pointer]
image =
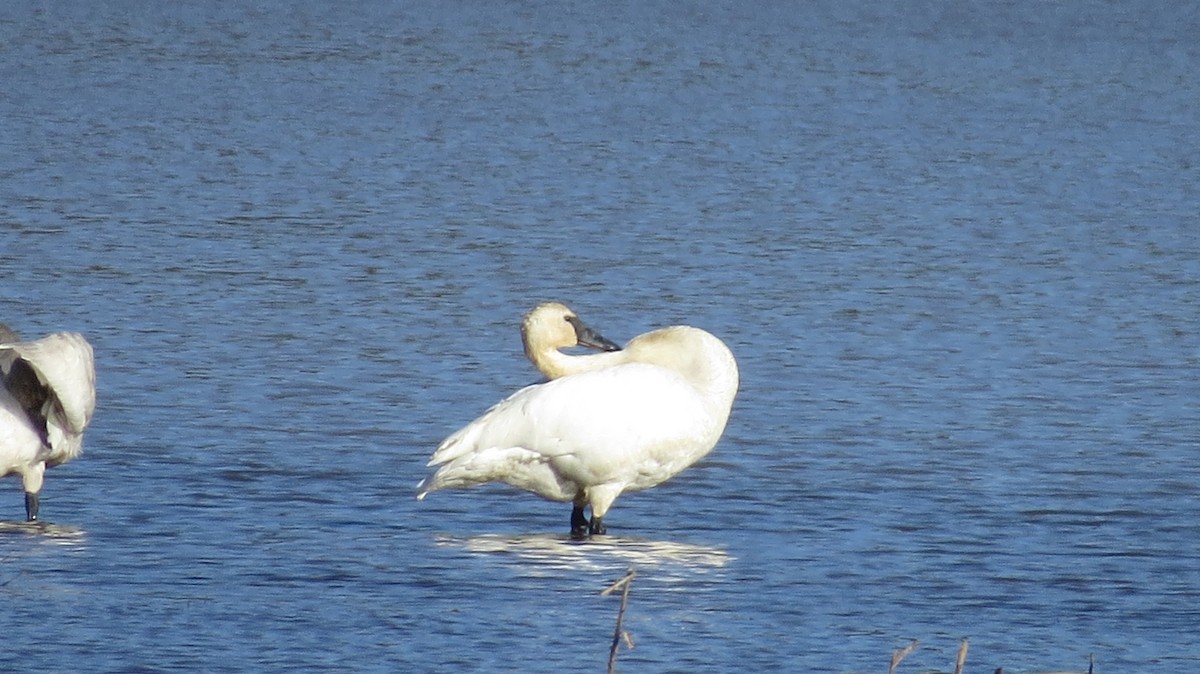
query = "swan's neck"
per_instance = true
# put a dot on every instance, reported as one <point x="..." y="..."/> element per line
<point x="555" y="364"/>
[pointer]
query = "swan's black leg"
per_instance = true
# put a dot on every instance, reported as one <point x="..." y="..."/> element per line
<point x="31" y="506"/>
<point x="597" y="528"/>
<point x="579" y="523"/>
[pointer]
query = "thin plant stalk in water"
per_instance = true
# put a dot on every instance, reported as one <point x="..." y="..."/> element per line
<point x="619" y="634"/>
<point x="899" y="655"/>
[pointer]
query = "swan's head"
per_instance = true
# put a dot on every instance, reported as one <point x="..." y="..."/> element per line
<point x="552" y="326"/>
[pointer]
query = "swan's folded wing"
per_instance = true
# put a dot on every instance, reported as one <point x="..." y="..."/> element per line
<point x="64" y="364"/>
<point x="628" y="419"/>
<point x="517" y="466"/>
<point x="502" y="419"/>
<point x="587" y="427"/>
<point x="16" y="431"/>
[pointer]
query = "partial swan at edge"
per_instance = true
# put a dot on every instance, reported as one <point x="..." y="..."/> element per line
<point x="47" y="397"/>
<point x="605" y="424"/>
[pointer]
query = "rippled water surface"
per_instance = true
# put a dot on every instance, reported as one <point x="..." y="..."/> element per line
<point x="955" y="250"/>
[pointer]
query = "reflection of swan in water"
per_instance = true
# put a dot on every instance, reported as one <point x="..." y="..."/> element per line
<point x="56" y="534"/>
<point x="607" y="423"/>
<point x="675" y="561"/>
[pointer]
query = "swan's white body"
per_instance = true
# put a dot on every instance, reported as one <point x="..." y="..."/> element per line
<point x="605" y="424"/>
<point x="47" y="397"/>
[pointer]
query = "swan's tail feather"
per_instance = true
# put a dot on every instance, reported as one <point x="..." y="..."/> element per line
<point x="516" y="466"/>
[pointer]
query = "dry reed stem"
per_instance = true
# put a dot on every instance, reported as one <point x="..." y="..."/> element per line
<point x="619" y="634"/>
<point x="962" y="657"/>
<point x="899" y="655"/>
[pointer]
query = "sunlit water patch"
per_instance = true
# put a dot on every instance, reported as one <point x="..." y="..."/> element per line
<point x="537" y="554"/>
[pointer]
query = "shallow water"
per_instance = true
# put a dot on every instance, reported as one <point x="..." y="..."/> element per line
<point x="954" y="249"/>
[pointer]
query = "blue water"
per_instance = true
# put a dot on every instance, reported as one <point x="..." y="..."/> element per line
<point x="954" y="247"/>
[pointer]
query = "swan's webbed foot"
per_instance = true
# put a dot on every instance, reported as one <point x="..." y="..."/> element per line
<point x="579" y="523"/>
<point x="581" y="528"/>
<point x="31" y="506"/>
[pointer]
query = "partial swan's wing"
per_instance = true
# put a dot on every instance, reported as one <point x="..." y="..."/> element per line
<point x="64" y="365"/>
<point x="587" y="427"/>
<point x="18" y="435"/>
<point x="504" y="414"/>
<point x="516" y="466"/>
<point x="614" y="424"/>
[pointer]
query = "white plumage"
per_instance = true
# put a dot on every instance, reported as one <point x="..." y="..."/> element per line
<point x="605" y="424"/>
<point x="47" y="397"/>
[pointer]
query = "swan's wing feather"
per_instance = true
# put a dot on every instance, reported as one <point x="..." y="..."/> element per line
<point x="516" y="466"/>
<point x="64" y="365"/>
<point x="467" y="438"/>
<point x="632" y="419"/>
<point x="18" y="436"/>
<point x="629" y="405"/>
<point x="584" y="429"/>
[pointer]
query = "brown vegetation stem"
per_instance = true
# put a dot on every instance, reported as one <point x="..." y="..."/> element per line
<point x="618" y="634"/>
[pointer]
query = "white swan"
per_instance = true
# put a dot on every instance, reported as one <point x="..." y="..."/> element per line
<point x="606" y="423"/>
<point x="47" y="396"/>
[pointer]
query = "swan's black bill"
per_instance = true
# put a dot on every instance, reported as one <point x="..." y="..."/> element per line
<point x="590" y="338"/>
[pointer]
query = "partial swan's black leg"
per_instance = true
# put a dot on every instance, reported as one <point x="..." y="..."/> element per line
<point x="31" y="506"/>
<point x="579" y="523"/>
<point x="597" y="528"/>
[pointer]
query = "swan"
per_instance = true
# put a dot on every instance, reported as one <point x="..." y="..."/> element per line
<point x="604" y="424"/>
<point x="47" y="397"/>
